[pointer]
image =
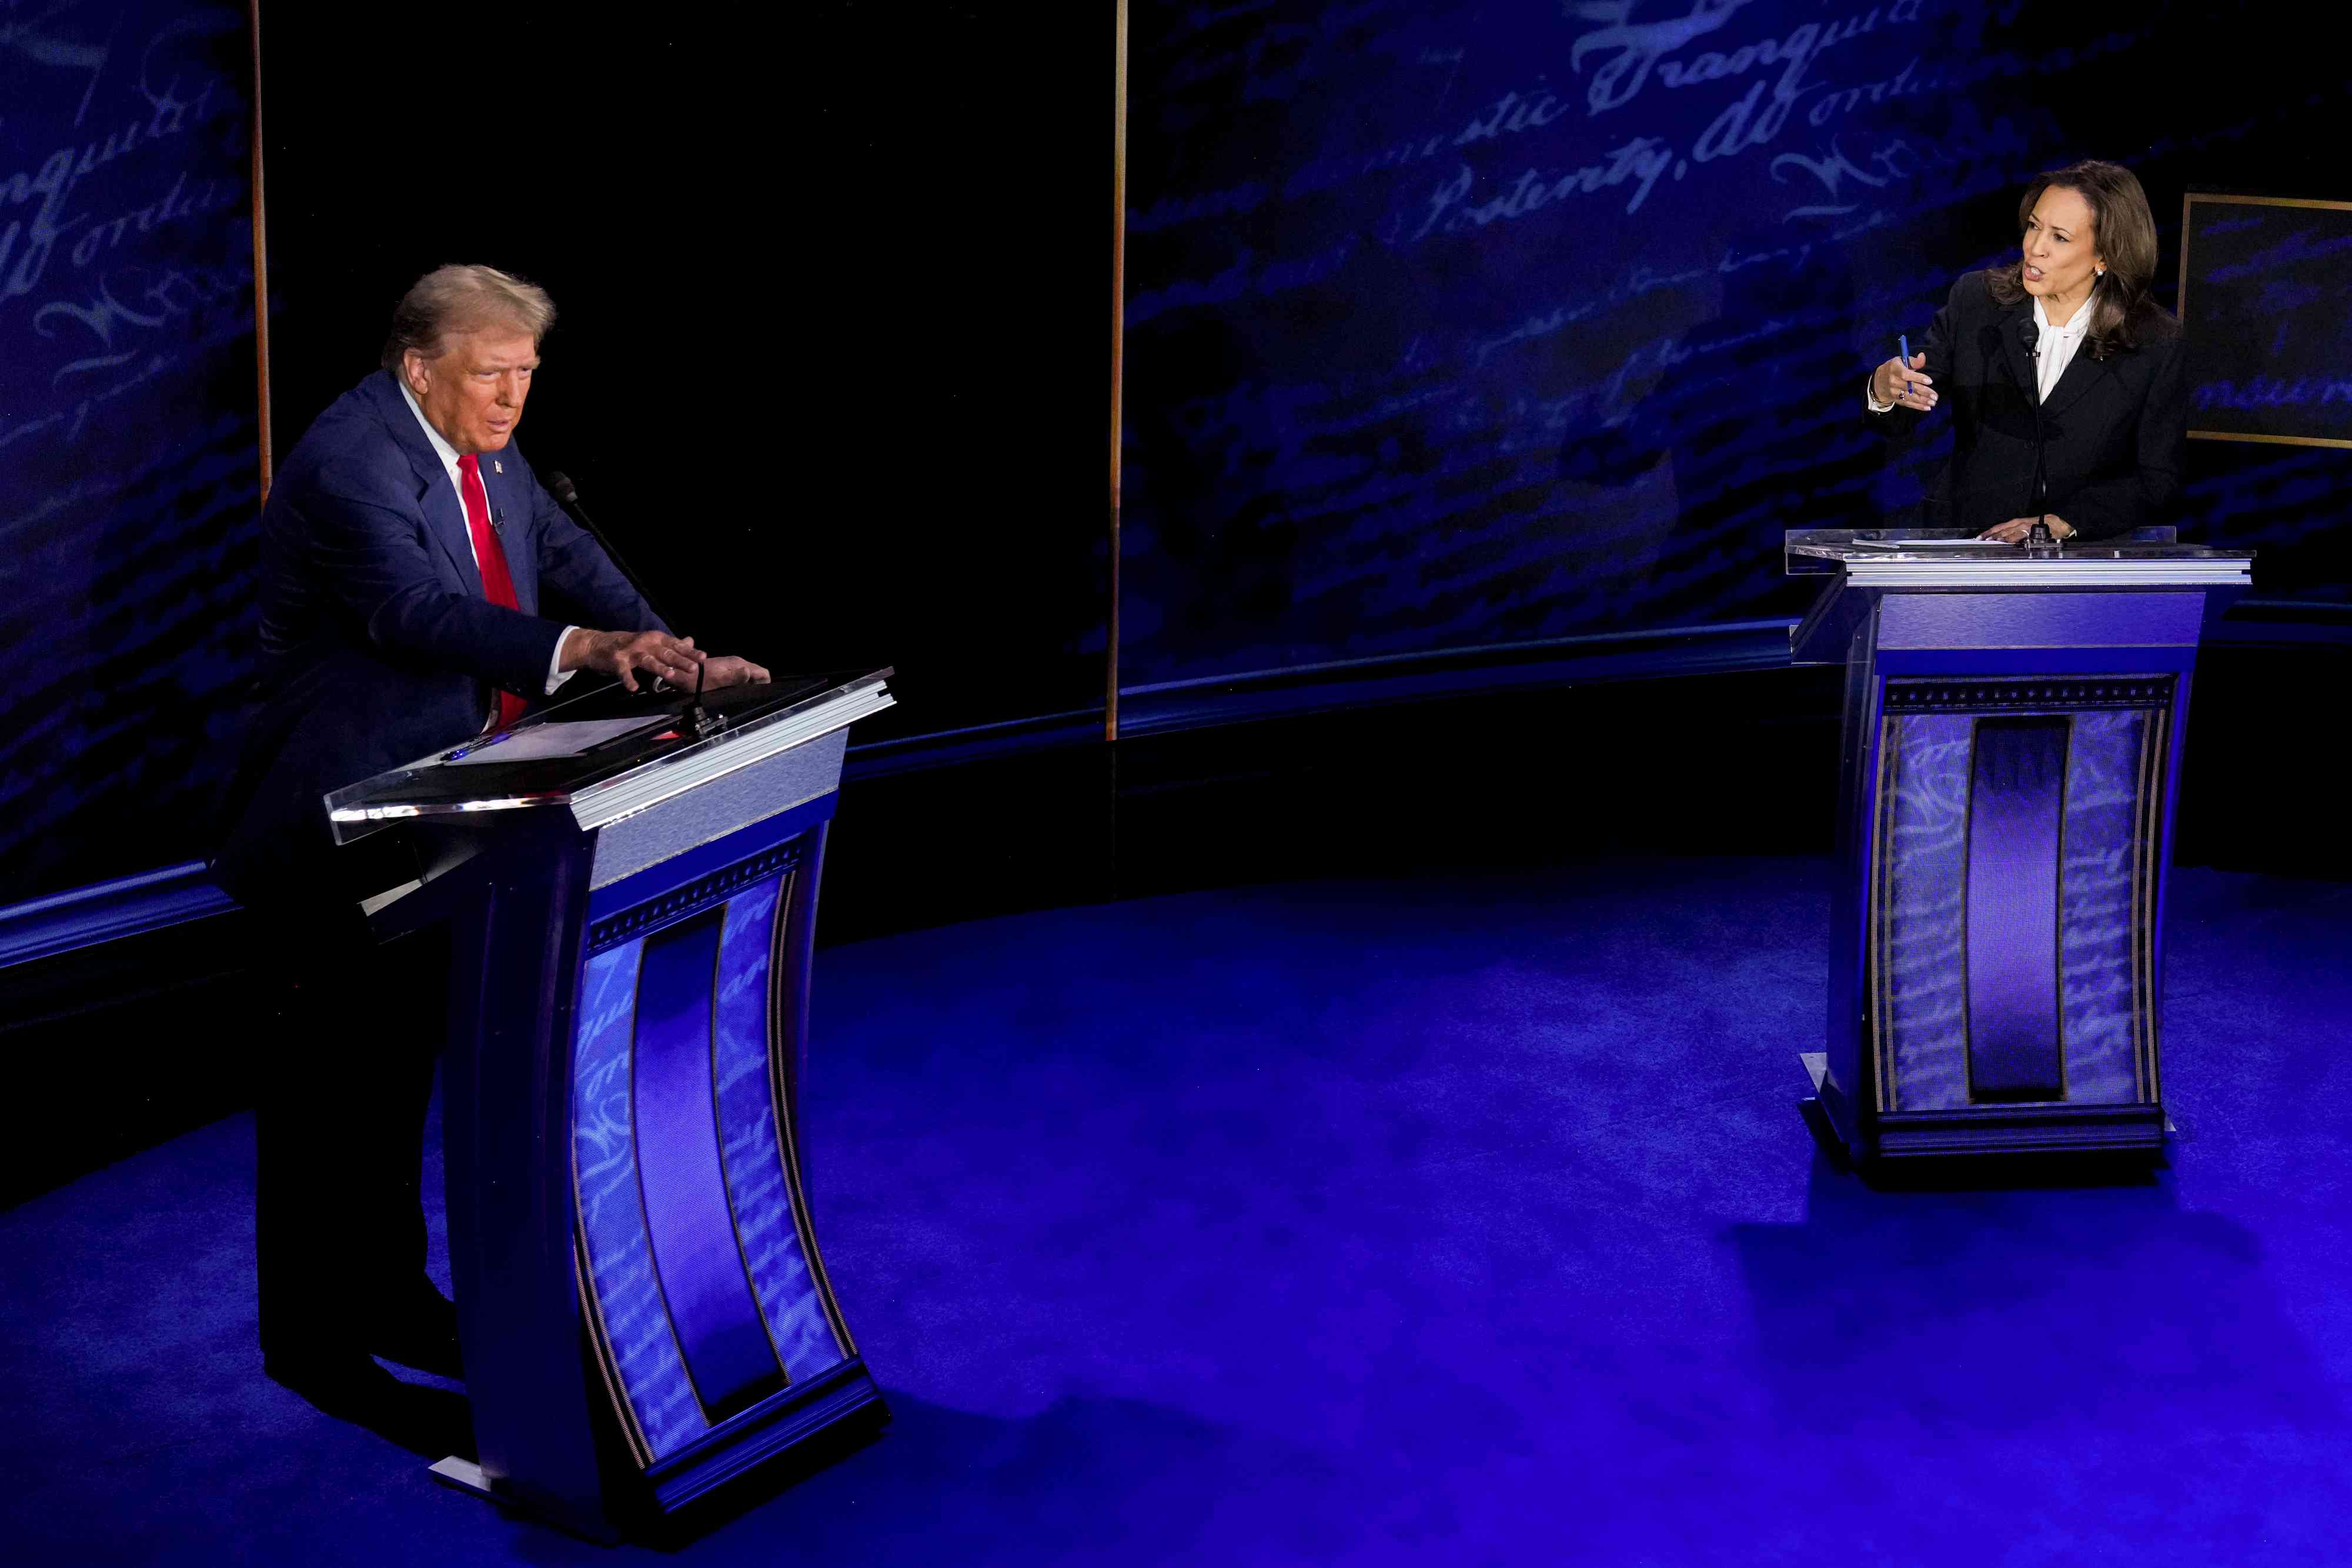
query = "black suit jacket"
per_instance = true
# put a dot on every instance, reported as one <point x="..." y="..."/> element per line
<point x="378" y="647"/>
<point x="2114" y="428"/>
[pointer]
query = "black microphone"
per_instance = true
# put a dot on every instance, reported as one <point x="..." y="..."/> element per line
<point x="2037" y="497"/>
<point x="564" y="491"/>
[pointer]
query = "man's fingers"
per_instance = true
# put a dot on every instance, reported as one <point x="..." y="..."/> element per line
<point x="629" y="655"/>
<point x="729" y="670"/>
<point x="739" y="672"/>
<point x="677" y="669"/>
<point x="658" y="655"/>
<point x="675" y="661"/>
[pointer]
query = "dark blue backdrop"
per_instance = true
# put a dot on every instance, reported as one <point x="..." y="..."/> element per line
<point x="1448" y="326"/>
<point x="1458" y="324"/>
<point x="2265" y="284"/>
<point x="128" y="460"/>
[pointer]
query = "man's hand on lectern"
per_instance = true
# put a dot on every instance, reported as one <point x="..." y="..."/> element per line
<point x="657" y="654"/>
<point x="727" y="670"/>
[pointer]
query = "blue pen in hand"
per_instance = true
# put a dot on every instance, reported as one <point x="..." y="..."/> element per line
<point x="1903" y="341"/>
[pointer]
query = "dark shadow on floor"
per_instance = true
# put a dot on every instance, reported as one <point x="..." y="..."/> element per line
<point x="2004" y="1310"/>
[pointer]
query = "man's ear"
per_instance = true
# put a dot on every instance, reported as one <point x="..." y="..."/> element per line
<point x="413" y="371"/>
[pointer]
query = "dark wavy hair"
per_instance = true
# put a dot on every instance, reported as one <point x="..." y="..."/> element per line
<point x="2124" y="231"/>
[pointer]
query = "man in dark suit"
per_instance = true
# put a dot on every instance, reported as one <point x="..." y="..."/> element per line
<point x="410" y="564"/>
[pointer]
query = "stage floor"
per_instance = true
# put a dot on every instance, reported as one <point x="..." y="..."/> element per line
<point x="1466" y="1220"/>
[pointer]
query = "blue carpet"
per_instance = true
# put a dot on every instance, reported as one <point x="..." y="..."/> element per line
<point x="1463" y="1221"/>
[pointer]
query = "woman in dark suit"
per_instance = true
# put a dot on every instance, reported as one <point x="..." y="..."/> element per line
<point x="2068" y="396"/>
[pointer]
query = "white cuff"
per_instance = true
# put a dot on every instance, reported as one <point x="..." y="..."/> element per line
<point x="556" y="677"/>
<point x="1871" y="399"/>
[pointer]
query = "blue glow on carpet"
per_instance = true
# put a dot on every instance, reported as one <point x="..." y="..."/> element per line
<point x="1463" y="1221"/>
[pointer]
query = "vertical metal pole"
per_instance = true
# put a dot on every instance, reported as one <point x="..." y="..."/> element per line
<point x="260" y="257"/>
<point x="1118" y="357"/>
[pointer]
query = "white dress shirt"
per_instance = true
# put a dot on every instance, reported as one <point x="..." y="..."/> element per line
<point x="449" y="455"/>
<point x="2056" y="345"/>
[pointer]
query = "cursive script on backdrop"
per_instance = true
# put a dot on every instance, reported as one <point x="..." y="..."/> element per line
<point x="128" y="423"/>
<point x="1456" y="325"/>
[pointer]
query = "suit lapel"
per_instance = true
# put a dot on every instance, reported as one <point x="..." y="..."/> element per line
<point x="444" y="515"/>
<point x="437" y="498"/>
<point x="2082" y="372"/>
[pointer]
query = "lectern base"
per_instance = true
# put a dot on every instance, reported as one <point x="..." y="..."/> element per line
<point x="466" y="1476"/>
<point x="2131" y="1131"/>
<point x="841" y="1409"/>
<point x="1818" y="1120"/>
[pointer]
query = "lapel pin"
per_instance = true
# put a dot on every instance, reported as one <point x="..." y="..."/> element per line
<point x="496" y="466"/>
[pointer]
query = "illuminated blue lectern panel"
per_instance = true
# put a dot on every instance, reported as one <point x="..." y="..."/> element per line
<point x="704" y="1290"/>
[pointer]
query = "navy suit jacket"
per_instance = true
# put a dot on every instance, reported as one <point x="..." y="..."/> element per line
<point x="2114" y="429"/>
<point x="377" y="646"/>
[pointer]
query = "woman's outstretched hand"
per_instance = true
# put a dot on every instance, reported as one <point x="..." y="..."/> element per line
<point x="1907" y="384"/>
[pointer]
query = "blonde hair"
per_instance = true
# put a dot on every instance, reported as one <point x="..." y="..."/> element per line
<point x="458" y="299"/>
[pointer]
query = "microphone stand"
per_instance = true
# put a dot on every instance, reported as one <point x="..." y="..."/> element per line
<point x="567" y="496"/>
<point x="706" y="723"/>
<point x="2038" y="492"/>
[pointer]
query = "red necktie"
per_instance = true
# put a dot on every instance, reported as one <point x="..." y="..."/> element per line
<point x="498" y="583"/>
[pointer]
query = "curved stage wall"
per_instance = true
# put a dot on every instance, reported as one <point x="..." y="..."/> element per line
<point x="129" y="471"/>
<point x="1468" y="348"/>
<point x="1461" y="325"/>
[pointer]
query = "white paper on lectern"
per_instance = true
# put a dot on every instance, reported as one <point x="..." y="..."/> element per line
<point x="541" y="741"/>
<point x="1906" y="547"/>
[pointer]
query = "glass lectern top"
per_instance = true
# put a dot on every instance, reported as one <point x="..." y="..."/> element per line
<point x="1824" y="549"/>
<point x="1953" y="558"/>
<point x="605" y="742"/>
